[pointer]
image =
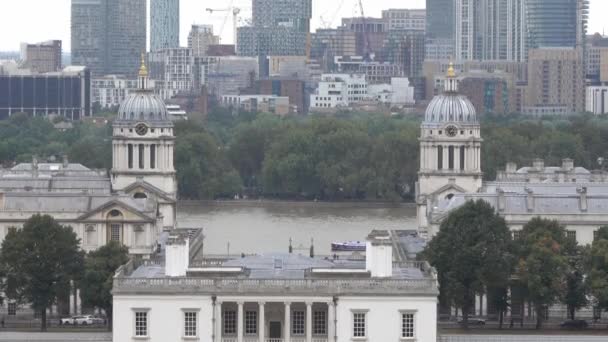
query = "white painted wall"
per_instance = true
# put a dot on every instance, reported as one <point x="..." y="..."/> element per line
<point x="384" y="319"/>
<point x="165" y="317"/>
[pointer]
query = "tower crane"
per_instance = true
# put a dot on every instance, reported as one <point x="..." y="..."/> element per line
<point x="367" y="48"/>
<point x="235" y="14"/>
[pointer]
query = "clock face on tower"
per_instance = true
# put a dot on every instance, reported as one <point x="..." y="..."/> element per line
<point x="451" y="131"/>
<point x="141" y="129"/>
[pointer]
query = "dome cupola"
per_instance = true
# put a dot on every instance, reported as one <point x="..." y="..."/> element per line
<point x="450" y="106"/>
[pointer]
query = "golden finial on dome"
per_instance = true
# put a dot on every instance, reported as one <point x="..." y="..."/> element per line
<point x="143" y="71"/>
<point x="451" y="72"/>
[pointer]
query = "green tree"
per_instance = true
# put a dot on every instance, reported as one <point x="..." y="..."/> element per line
<point x="99" y="268"/>
<point x="543" y="263"/>
<point x="598" y="275"/>
<point x="471" y="252"/>
<point x="39" y="260"/>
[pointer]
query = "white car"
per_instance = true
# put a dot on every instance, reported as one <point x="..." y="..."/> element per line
<point x="85" y="320"/>
<point x="67" y="321"/>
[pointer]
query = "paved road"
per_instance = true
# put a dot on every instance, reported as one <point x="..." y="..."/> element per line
<point x="521" y="338"/>
<point x="54" y="337"/>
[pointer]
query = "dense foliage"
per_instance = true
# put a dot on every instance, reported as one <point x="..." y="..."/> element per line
<point x="99" y="268"/>
<point x="344" y="157"/>
<point x="39" y="261"/>
<point x="472" y="252"/>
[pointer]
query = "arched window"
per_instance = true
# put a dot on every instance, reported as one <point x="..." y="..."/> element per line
<point x="140" y="195"/>
<point x="440" y="157"/>
<point x="449" y="196"/>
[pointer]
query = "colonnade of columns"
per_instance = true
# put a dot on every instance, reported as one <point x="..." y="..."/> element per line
<point x="262" y="336"/>
<point x="431" y="153"/>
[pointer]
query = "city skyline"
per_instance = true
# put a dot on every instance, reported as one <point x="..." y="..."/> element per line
<point x="55" y="18"/>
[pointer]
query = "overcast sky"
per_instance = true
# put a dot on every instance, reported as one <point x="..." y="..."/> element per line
<point x="39" y="20"/>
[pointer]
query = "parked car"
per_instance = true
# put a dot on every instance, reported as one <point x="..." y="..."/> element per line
<point x="574" y="324"/>
<point x="84" y="320"/>
<point x="473" y="321"/>
<point x="66" y="321"/>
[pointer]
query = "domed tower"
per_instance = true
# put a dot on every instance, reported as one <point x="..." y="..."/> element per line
<point x="143" y="143"/>
<point x="450" y="149"/>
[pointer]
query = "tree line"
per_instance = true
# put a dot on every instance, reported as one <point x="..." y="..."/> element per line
<point x="348" y="156"/>
<point x="42" y="264"/>
<point x="475" y="253"/>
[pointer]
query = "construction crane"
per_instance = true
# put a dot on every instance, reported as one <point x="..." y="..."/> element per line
<point x="367" y="50"/>
<point x="235" y="17"/>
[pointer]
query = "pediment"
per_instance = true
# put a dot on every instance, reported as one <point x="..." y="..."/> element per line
<point x="142" y="186"/>
<point x="130" y="213"/>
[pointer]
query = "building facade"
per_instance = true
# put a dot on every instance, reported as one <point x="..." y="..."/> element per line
<point x="339" y="91"/>
<point x="199" y="39"/>
<point x="66" y="93"/>
<point x="556" y="23"/>
<point x="164" y="24"/>
<point x="405" y="19"/>
<point x="108" y="35"/>
<point x="42" y="57"/>
<point x="279" y="27"/>
<point x="556" y="79"/>
<point x="110" y="91"/>
<point x="172" y="70"/>
<point x="276" y="297"/>
<point x="596" y="100"/>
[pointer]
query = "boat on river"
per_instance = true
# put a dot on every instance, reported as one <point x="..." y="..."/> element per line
<point x="348" y="246"/>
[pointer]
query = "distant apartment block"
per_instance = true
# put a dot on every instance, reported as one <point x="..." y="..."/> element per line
<point x="66" y="93"/>
<point x="370" y="32"/>
<point x="42" y="57"/>
<point x="110" y="91"/>
<point x="405" y="19"/>
<point x="328" y="43"/>
<point x="173" y="71"/>
<point x="200" y="38"/>
<point x="258" y="103"/>
<point x="226" y="75"/>
<point x="555" y="80"/>
<point x="164" y="24"/>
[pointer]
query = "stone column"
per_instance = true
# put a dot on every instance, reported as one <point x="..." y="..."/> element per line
<point x="147" y="156"/>
<point x="308" y="321"/>
<point x="262" y="322"/>
<point x="240" y="323"/>
<point x="331" y="321"/>
<point x="218" y="321"/>
<point x="287" y="323"/>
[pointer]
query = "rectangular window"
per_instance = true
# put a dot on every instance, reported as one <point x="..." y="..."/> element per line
<point x="462" y="156"/>
<point x="115" y="232"/>
<point x="451" y="157"/>
<point x="152" y="156"/>
<point x="130" y="155"/>
<point x="297" y="321"/>
<point x="12" y="309"/>
<point x="229" y="322"/>
<point x="141" y="156"/>
<point x="516" y="234"/>
<point x="320" y="323"/>
<point x="571" y="234"/>
<point x="141" y="323"/>
<point x="407" y="325"/>
<point x="359" y="324"/>
<point x="190" y="324"/>
<point x="440" y="157"/>
<point x="251" y="322"/>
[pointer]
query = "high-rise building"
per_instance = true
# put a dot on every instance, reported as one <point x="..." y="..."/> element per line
<point x="172" y="71"/>
<point x="370" y="32"/>
<point x="164" y="24"/>
<point x="279" y="27"/>
<point x="490" y="30"/>
<point x="89" y="34"/>
<point x="199" y="39"/>
<point x="556" y="23"/>
<point x="440" y="19"/>
<point x="42" y="57"/>
<point x="108" y="36"/>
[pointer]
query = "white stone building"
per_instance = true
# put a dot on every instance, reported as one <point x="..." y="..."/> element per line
<point x="339" y="90"/>
<point x="276" y="298"/>
<point x="450" y="174"/>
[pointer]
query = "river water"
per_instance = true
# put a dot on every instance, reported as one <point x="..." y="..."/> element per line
<point x="263" y="227"/>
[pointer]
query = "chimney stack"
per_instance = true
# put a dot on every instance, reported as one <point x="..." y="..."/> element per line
<point x="177" y="256"/>
<point x="379" y="254"/>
